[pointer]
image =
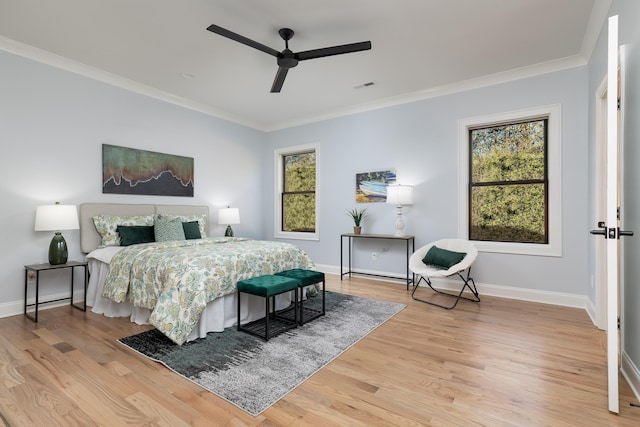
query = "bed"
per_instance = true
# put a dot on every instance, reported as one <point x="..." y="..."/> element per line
<point x="189" y="298"/>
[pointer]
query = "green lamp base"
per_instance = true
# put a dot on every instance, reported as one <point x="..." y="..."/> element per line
<point x="58" y="252"/>
<point x="228" y="232"/>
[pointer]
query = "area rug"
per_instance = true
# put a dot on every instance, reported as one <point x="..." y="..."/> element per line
<point x="253" y="374"/>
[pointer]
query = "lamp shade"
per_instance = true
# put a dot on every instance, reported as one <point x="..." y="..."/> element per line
<point x="229" y="216"/>
<point x="398" y="194"/>
<point x="56" y="217"/>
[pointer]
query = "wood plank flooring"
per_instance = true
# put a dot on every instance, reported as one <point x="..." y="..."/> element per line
<point x="499" y="362"/>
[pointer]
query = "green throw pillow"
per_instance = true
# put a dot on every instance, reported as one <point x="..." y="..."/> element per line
<point x="168" y="229"/>
<point x="134" y="234"/>
<point x="191" y="230"/>
<point x="442" y="258"/>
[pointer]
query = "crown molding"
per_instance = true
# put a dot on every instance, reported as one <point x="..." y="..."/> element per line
<point x="48" y="58"/>
<point x="598" y="17"/>
<point x="84" y="70"/>
<point x="462" y="86"/>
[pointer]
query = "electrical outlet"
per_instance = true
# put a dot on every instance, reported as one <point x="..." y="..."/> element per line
<point x="374" y="256"/>
<point x="31" y="276"/>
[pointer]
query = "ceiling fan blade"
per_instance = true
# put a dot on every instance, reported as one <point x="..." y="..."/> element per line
<point x="334" y="50"/>
<point x="242" y="39"/>
<point x="279" y="79"/>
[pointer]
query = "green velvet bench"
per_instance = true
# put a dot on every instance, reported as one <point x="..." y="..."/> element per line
<point x="306" y="278"/>
<point x="268" y="287"/>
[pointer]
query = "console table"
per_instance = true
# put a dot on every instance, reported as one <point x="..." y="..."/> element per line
<point x="410" y="246"/>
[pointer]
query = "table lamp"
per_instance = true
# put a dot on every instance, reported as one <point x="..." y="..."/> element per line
<point x="399" y="195"/>
<point x="55" y="218"/>
<point x="229" y="216"/>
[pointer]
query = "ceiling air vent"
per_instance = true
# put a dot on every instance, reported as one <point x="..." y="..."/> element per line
<point x="367" y="84"/>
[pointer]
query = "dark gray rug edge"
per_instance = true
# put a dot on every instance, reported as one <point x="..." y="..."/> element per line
<point x="255" y="413"/>
<point x="203" y="387"/>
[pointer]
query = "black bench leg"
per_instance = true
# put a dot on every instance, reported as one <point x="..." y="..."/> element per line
<point x="266" y="319"/>
<point x="239" y="295"/>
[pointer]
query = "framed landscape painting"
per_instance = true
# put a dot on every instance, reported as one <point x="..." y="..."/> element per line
<point x="140" y="172"/>
<point x="371" y="187"/>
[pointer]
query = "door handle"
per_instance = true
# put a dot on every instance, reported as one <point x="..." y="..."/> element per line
<point x="602" y="229"/>
<point x="624" y="233"/>
<point x="611" y="233"/>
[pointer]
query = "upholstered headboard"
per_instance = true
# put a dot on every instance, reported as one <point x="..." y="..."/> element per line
<point x="89" y="237"/>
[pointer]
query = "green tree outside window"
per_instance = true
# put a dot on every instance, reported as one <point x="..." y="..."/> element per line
<point x="299" y="192"/>
<point x="508" y="183"/>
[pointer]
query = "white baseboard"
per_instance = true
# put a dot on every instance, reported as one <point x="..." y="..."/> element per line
<point x="17" y="307"/>
<point x="591" y="312"/>
<point x="631" y="374"/>
<point x="532" y="295"/>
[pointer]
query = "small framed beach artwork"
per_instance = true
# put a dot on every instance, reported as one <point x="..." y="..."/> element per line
<point x="371" y="187"/>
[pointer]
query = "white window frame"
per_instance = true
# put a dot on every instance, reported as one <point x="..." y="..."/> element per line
<point x="279" y="153"/>
<point x="554" y="162"/>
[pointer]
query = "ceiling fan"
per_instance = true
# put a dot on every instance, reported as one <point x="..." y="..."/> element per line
<point x="288" y="59"/>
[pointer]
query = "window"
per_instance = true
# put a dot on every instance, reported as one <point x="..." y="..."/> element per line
<point x="296" y="192"/>
<point x="510" y="170"/>
<point x="508" y="182"/>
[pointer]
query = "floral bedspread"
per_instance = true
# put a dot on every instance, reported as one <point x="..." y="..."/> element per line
<point x="177" y="279"/>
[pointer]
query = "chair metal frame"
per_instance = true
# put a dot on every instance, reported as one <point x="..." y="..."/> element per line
<point x="468" y="283"/>
<point x="426" y="273"/>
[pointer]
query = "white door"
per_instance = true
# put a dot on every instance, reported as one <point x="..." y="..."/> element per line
<point x="610" y="228"/>
<point x="612" y="215"/>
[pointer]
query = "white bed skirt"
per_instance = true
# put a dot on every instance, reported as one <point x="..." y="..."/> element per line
<point x="218" y="315"/>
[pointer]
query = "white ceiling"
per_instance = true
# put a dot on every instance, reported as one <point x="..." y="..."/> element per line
<point x="420" y="48"/>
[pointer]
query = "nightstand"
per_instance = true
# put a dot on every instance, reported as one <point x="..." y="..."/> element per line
<point x="37" y="268"/>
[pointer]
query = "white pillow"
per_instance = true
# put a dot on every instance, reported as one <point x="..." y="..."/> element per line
<point x="107" y="226"/>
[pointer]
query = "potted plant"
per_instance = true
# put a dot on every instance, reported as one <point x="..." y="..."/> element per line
<point x="357" y="215"/>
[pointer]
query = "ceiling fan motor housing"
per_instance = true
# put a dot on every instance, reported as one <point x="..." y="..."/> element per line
<point x="287" y="59"/>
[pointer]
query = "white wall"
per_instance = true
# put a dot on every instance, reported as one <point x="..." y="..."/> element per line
<point x="52" y="127"/>
<point x="420" y="140"/>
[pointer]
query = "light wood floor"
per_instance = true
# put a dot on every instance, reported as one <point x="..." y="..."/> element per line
<point x="497" y="363"/>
